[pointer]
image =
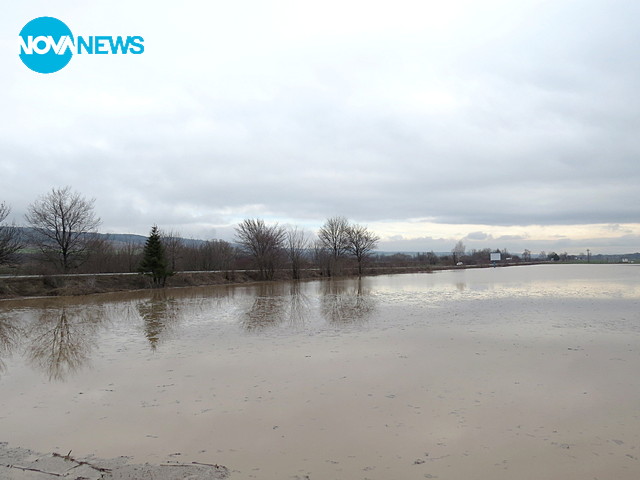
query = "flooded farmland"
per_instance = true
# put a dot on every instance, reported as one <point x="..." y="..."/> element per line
<point x="521" y="372"/>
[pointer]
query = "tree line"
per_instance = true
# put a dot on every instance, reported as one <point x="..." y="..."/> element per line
<point x="62" y="237"/>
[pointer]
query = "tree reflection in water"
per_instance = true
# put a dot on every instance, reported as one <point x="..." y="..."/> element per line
<point x="299" y="305"/>
<point x="346" y="301"/>
<point x="61" y="340"/>
<point x="273" y="304"/>
<point x="341" y="302"/>
<point x="268" y="307"/>
<point x="10" y="335"/>
<point x="160" y="314"/>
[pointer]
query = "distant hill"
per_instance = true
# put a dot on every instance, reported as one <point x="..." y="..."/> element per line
<point x="123" y="238"/>
<point x="127" y="238"/>
<point x="117" y="239"/>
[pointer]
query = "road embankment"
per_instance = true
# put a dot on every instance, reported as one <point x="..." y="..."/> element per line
<point x="85" y="284"/>
<point x="20" y="286"/>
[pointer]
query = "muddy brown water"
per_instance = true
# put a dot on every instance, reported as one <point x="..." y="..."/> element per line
<point x="524" y="372"/>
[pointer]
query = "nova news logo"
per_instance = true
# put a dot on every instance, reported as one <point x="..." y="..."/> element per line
<point x="47" y="45"/>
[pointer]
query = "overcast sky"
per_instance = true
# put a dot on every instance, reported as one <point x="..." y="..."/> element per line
<point x="507" y="124"/>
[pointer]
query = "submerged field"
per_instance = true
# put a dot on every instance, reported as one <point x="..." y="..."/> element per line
<point x="523" y="372"/>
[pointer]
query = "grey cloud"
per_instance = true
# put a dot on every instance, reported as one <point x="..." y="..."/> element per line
<point x="542" y="129"/>
<point x="478" y="236"/>
<point x="510" y="238"/>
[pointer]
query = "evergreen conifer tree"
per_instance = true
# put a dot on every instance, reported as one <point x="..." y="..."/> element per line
<point x="154" y="261"/>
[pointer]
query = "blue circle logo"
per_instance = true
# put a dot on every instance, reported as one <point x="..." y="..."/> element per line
<point x="46" y="45"/>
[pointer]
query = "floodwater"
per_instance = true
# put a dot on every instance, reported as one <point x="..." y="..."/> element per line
<point x="522" y="372"/>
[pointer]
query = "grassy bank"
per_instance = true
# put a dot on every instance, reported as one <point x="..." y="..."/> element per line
<point x="62" y="285"/>
<point x="85" y="284"/>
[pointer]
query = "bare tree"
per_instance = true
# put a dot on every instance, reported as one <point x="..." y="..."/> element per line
<point x="216" y="255"/>
<point x="432" y="258"/>
<point x="10" y="238"/>
<point x="173" y="247"/>
<point x="102" y="255"/>
<point x="458" y="251"/>
<point x="64" y="223"/>
<point x="130" y="254"/>
<point x="264" y="243"/>
<point x="297" y="244"/>
<point x="321" y="257"/>
<point x="361" y="242"/>
<point x="333" y="236"/>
